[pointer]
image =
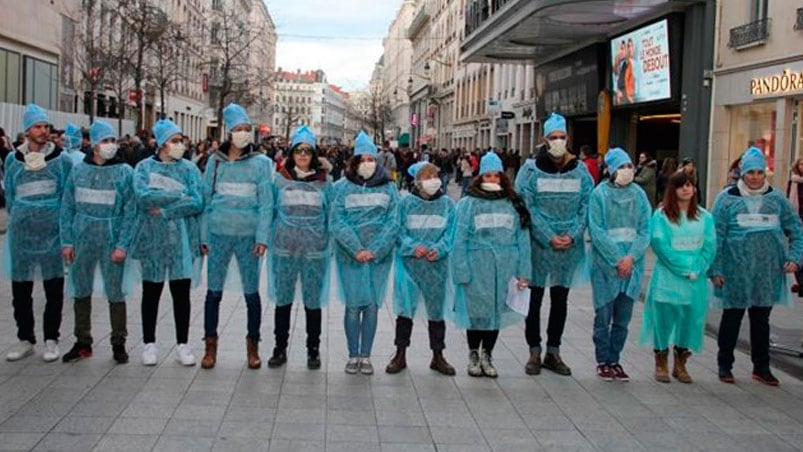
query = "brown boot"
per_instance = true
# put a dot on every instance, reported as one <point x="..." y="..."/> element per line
<point x="679" y="367"/>
<point x="398" y="363"/>
<point x="210" y="357"/>
<point x="252" y="347"/>
<point x="661" y="370"/>
<point x="439" y="363"/>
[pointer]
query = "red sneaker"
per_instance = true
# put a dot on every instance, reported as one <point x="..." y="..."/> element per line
<point x="619" y="373"/>
<point x="604" y="372"/>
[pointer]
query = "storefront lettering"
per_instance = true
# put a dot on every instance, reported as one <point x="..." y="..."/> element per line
<point x="785" y="82"/>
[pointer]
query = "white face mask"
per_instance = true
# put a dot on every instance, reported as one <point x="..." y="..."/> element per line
<point x="35" y="161"/>
<point x="366" y="169"/>
<point x="107" y="151"/>
<point x="176" y="151"/>
<point x="491" y="186"/>
<point x="557" y="148"/>
<point x="624" y="176"/>
<point x="431" y="186"/>
<point x="242" y="139"/>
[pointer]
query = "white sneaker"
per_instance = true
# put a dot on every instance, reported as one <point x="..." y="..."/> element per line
<point x="20" y="350"/>
<point x="51" y="351"/>
<point x="365" y="366"/>
<point x="150" y="354"/>
<point x="353" y="366"/>
<point x="184" y="355"/>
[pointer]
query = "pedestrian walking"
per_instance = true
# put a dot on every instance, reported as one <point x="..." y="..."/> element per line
<point x="365" y="223"/>
<point x="236" y="222"/>
<point x="427" y="222"/>
<point x="683" y="238"/>
<point x="556" y="188"/>
<point x="759" y="239"/>
<point x="299" y="246"/>
<point x="168" y="194"/>
<point x="619" y="225"/>
<point x="491" y="249"/>
<point x="98" y="218"/>
<point x="36" y="174"/>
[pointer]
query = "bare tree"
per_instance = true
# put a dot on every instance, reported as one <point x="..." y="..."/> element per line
<point x="169" y="62"/>
<point x="87" y="51"/>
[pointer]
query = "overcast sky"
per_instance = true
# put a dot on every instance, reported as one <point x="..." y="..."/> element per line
<point x="315" y="34"/>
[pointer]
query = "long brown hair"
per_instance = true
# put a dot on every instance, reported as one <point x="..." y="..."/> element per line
<point x="507" y="192"/>
<point x="670" y="205"/>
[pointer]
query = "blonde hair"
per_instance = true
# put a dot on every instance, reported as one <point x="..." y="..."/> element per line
<point x="427" y="171"/>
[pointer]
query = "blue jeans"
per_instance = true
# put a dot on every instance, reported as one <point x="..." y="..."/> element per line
<point x="610" y="328"/>
<point x="360" y="330"/>
<point x="465" y="183"/>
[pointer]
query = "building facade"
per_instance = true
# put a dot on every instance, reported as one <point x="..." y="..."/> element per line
<point x="396" y="70"/>
<point x="758" y="87"/>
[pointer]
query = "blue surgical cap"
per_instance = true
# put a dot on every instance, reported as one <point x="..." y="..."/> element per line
<point x="303" y="135"/>
<point x="753" y="159"/>
<point x="415" y="168"/>
<point x="99" y="131"/>
<point x="616" y="158"/>
<point x="34" y="114"/>
<point x="235" y="115"/>
<point x="490" y="163"/>
<point x="364" y="145"/>
<point x="74" y="135"/>
<point x="555" y="123"/>
<point x="163" y="130"/>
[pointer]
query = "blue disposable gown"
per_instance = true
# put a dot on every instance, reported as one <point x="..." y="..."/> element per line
<point x="364" y="217"/>
<point x="558" y="204"/>
<point x="299" y="246"/>
<point x="619" y="225"/>
<point x="756" y="236"/>
<point x="98" y="215"/>
<point x="431" y="224"/>
<point x="490" y="248"/>
<point x="33" y="247"/>
<point x="238" y="213"/>
<point x="164" y="244"/>
<point x="676" y="306"/>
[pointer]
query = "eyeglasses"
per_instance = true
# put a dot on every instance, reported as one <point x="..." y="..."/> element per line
<point x="302" y="151"/>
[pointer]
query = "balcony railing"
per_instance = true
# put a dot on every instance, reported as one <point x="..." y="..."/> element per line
<point x="748" y="35"/>
<point x="799" y="21"/>
<point x="479" y="11"/>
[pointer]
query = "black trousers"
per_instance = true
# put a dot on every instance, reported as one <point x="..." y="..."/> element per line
<point x="151" y="293"/>
<point x="759" y="337"/>
<point x="22" y="300"/>
<point x="282" y="327"/>
<point x="559" y="297"/>
<point x="436" y="330"/>
<point x="482" y="338"/>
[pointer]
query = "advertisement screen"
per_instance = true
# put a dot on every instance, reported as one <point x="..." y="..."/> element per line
<point x="640" y="65"/>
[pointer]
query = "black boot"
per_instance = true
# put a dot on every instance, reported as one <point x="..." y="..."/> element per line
<point x="118" y="316"/>
<point x="278" y="359"/>
<point x="313" y="359"/>
<point x="281" y="331"/>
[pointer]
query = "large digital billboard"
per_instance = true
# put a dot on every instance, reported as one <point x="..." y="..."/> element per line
<point x="640" y="69"/>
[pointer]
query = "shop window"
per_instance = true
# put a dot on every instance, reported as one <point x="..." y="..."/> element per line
<point x="754" y="125"/>
<point x="9" y="77"/>
<point x="41" y="83"/>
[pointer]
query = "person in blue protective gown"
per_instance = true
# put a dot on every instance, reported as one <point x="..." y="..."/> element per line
<point x="168" y="194"/>
<point x="491" y="250"/>
<point x="556" y="187"/>
<point x="299" y="245"/>
<point x="427" y="222"/>
<point x="98" y="218"/>
<point x="364" y="223"/>
<point x="619" y="225"/>
<point x="73" y="135"/>
<point x="236" y="223"/>
<point x="759" y="241"/>
<point x="683" y="238"/>
<point x="35" y="177"/>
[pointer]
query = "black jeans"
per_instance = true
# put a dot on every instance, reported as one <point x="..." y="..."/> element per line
<point x="22" y="300"/>
<point x="759" y="337"/>
<point x="484" y="338"/>
<point x="282" y="327"/>
<point x="151" y="293"/>
<point x="558" y="296"/>
<point x="436" y="330"/>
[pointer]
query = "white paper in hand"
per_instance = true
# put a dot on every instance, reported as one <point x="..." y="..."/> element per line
<point x="518" y="299"/>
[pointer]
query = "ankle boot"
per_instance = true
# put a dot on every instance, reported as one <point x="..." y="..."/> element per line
<point x="439" y="363"/>
<point x="679" y="368"/>
<point x="661" y="370"/>
<point x="210" y="356"/>
<point x="252" y="349"/>
<point x="118" y="316"/>
<point x="399" y="361"/>
<point x="82" y="309"/>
